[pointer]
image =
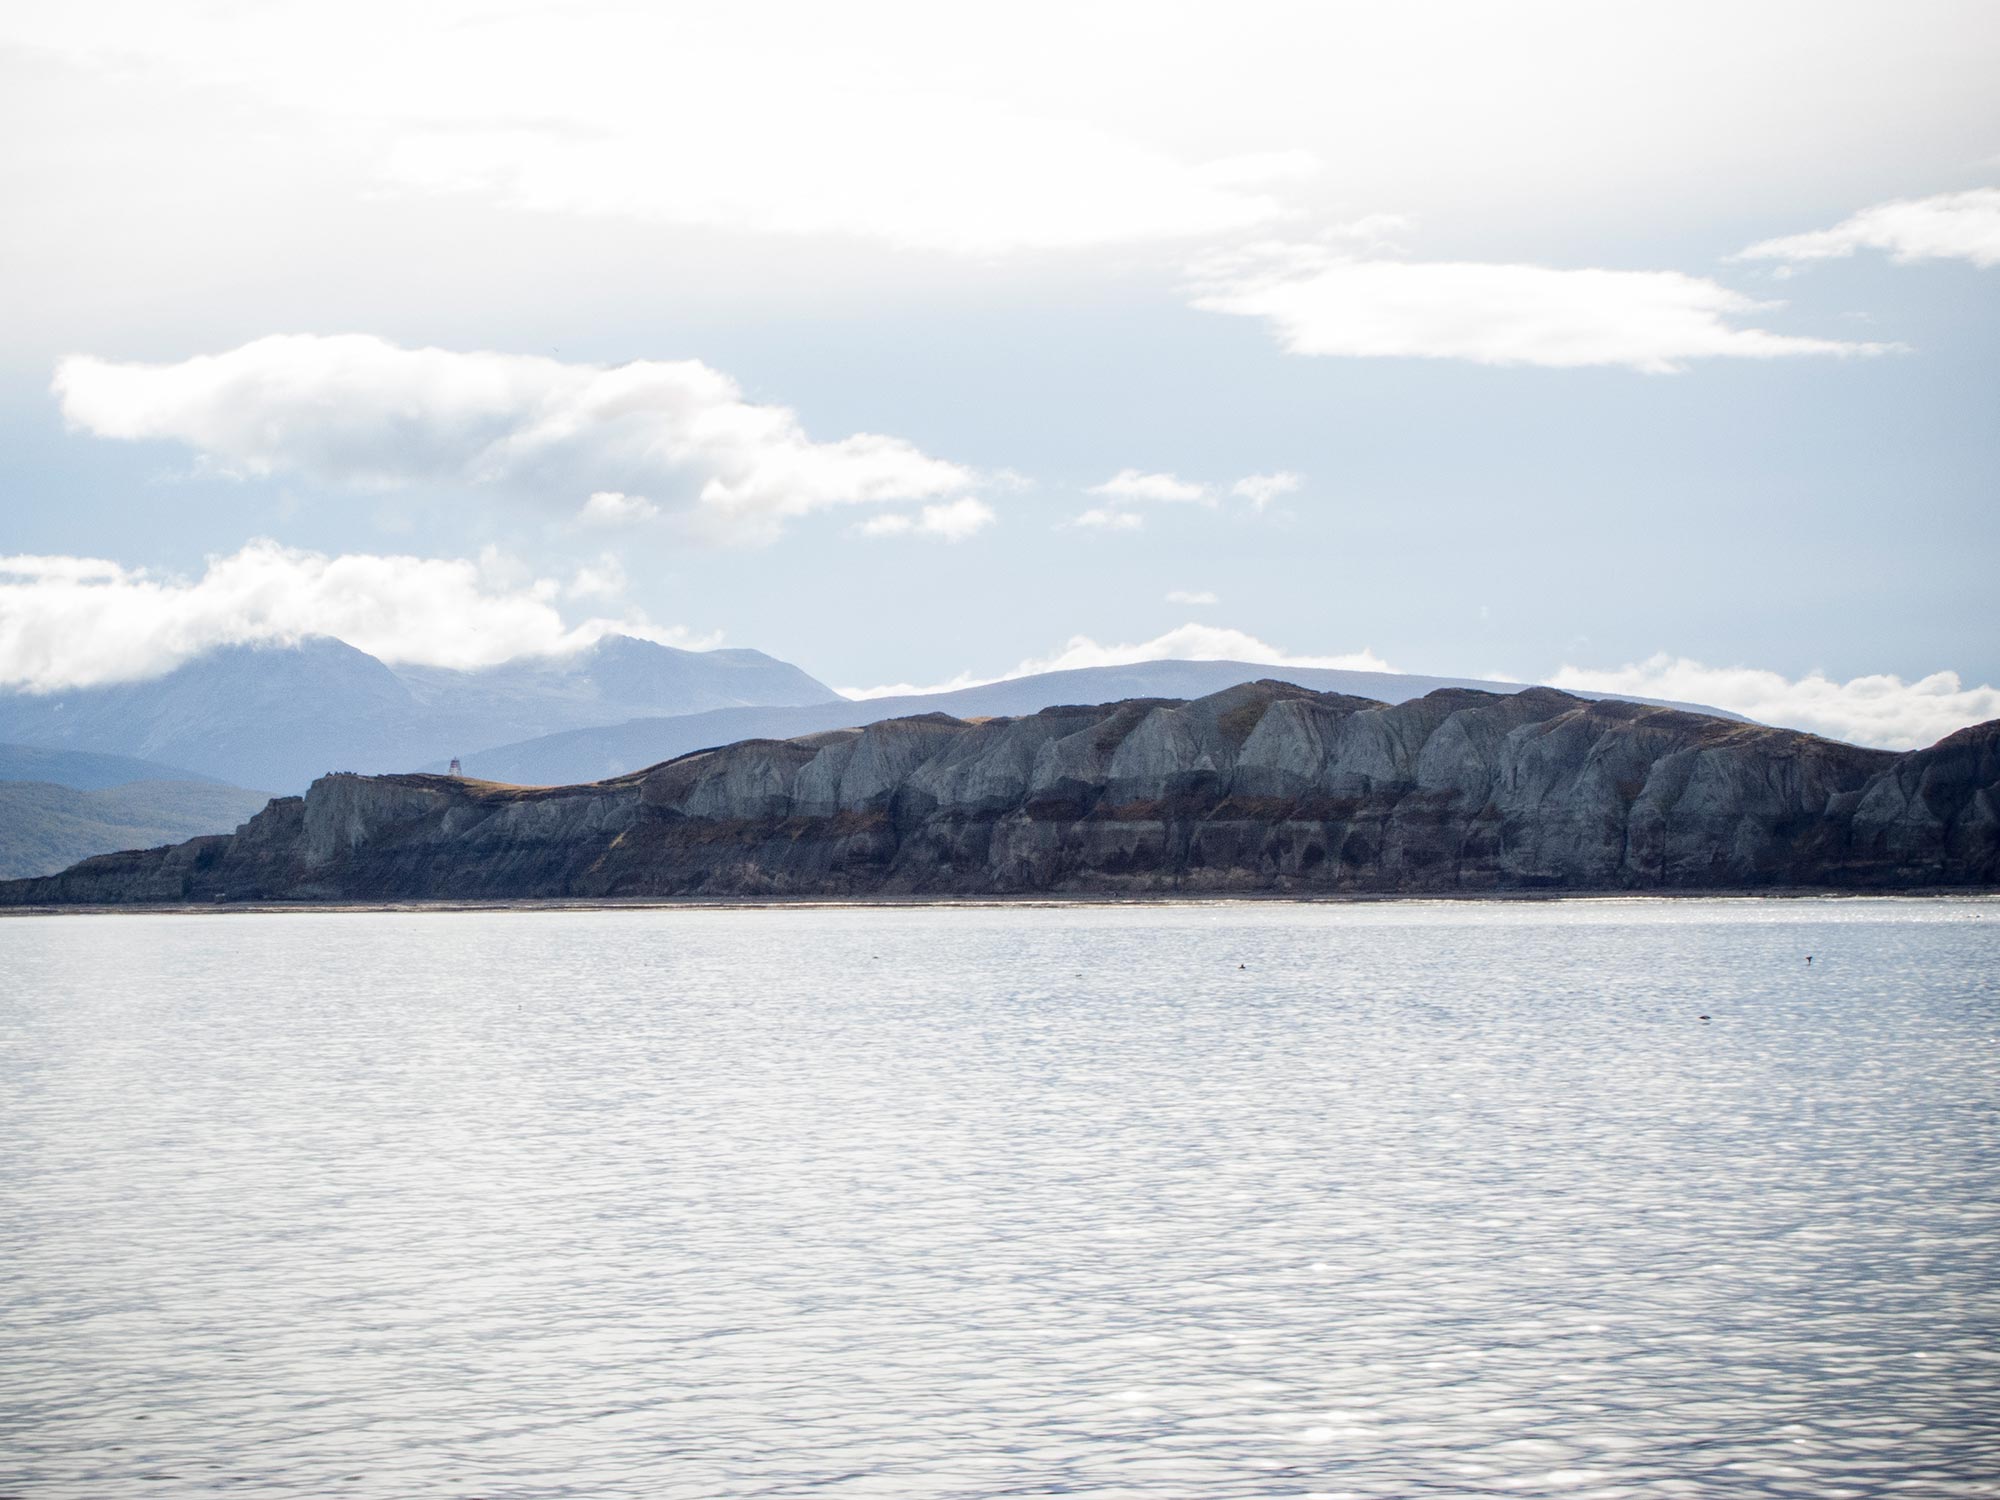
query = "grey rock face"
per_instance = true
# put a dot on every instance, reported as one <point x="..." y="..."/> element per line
<point x="1263" y="787"/>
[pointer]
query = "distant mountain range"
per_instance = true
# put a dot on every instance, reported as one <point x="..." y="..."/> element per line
<point x="278" y="716"/>
<point x="84" y="770"/>
<point x="614" y="750"/>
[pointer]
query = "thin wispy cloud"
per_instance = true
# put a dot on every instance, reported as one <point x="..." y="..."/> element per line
<point x="1137" y="487"/>
<point x="68" y="622"/>
<point x="1133" y="484"/>
<point x="1261" y="489"/>
<point x="1104" y="518"/>
<point x="1192" y="596"/>
<point x="615" y="508"/>
<point x="952" y="521"/>
<point x="605" y="578"/>
<point x="1317" y="301"/>
<point x="1948" y="226"/>
<point x="359" y="411"/>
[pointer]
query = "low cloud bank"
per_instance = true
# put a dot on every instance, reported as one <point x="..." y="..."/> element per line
<point x="1880" y="710"/>
<point x="69" y="622"/>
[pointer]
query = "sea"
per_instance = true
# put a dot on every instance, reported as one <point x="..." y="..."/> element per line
<point x="1395" y="1199"/>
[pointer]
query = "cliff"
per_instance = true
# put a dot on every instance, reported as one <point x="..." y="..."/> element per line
<point x="1266" y="787"/>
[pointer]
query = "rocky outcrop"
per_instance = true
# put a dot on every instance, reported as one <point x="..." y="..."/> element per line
<point x="1262" y="788"/>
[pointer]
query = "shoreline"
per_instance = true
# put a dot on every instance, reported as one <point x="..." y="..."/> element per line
<point x="984" y="902"/>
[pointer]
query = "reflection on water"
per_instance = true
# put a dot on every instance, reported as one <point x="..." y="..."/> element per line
<point x="1258" y="1200"/>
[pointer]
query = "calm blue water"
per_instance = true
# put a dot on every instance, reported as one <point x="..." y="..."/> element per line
<point x="1205" y="1201"/>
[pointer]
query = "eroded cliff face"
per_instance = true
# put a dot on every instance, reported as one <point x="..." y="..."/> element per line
<point x="1265" y="787"/>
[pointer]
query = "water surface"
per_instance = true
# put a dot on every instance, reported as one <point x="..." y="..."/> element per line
<point x="1430" y="1199"/>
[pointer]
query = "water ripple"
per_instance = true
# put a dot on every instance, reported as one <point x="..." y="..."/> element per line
<point x="1422" y="1200"/>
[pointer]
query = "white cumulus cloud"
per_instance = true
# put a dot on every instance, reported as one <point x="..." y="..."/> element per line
<point x="1880" y="710"/>
<point x="70" y="622"/>
<point x="952" y="521"/>
<point x="1190" y="642"/>
<point x="1318" y="301"/>
<point x="1949" y="226"/>
<point x="356" y="410"/>
<point x="1133" y="484"/>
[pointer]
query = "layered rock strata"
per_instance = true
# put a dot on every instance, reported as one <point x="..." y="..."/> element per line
<point x="1262" y="788"/>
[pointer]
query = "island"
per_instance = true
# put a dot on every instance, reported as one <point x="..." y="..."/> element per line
<point x="1265" y="788"/>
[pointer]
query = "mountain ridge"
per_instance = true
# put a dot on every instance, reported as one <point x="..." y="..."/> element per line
<point x="1263" y="788"/>
<point x="612" y="750"/>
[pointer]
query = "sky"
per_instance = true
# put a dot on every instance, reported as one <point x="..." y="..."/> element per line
<point x="1649" y="349"/>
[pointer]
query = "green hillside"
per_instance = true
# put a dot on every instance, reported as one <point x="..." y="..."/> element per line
<point x="45" y="827"/>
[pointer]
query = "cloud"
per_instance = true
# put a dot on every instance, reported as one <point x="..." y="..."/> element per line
<point x="1132" y="484"/>
<point x="931" y="126"/>
<point x="58" y="570"/>
<point x="885" y="125"/>
<point x="1317" y="301"/>
<point x="603" y="579"/>
<point x="1194" y="642"/>
<point x="1949" y="226"/>
<point x="1191" y="596"/>
<point x="1261" y="489"/>
<point x="70" y="622"/>
<point x="953" y="521"/>
<point x="1102" y="518"/>
<point x="1877" y="710"/>
<point x="1190" y="642"/>
<point x="613" y="508"/>
<point x="359" y="411"/>
<point x="993" y="182"/>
